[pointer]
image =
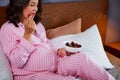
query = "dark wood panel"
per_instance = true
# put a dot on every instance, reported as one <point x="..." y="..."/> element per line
<point x="2" y="15"/>
<point x="113" y="48"/>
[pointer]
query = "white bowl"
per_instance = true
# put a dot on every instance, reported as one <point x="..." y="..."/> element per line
<point x="72" y="49"/>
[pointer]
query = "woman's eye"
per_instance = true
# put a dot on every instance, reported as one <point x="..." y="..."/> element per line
<point x="32" y="5"/>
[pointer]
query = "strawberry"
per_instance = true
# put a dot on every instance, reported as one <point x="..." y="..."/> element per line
<point x="73" y="44"/>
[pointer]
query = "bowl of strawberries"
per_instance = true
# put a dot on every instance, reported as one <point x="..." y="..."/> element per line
<point x="73" y="47"/>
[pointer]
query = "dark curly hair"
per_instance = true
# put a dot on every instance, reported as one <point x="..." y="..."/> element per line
<point x="15" y="9"/>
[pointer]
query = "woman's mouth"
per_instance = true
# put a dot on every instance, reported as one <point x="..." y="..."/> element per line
<point x="32" y="14"/>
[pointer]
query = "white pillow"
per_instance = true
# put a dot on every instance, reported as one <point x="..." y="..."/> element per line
<point x="5" y="70"/>
<point x="91" y="45"/>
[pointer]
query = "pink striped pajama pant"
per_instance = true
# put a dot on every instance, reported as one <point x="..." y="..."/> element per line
<point x="68" y="68"/>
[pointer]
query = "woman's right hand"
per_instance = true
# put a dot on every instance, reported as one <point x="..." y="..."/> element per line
<point x="30" y="27"/>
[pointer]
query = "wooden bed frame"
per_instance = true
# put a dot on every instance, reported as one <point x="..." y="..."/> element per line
<point x="92" y="12"/>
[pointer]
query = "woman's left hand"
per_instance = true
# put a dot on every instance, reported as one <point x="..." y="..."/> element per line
<point x="62" y="52"/>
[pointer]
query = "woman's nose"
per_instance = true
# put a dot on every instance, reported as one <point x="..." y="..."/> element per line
<point x="35" y="8"/>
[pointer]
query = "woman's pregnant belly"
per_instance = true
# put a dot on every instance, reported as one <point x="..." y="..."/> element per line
<point x="42" y="59"/>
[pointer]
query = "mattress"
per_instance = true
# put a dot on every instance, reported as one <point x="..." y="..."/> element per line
<point x="116" y="62"/>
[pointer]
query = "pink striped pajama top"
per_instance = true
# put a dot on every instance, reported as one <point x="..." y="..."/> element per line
<point x="37" y="59"/>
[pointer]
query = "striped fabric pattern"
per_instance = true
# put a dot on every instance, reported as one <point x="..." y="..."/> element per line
<point x="37" y="59"/>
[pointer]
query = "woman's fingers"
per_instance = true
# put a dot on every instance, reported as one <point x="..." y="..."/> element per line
<point x="31" y="22"/>
<point x="29" y="25"/>
<point x="61" y="52"/>
<point x="30" y="17"/>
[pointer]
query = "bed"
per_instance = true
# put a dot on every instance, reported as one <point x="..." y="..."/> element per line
<point x="93" y="12"/>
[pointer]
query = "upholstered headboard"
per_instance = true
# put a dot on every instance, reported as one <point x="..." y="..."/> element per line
<point x="58" y="14"/>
